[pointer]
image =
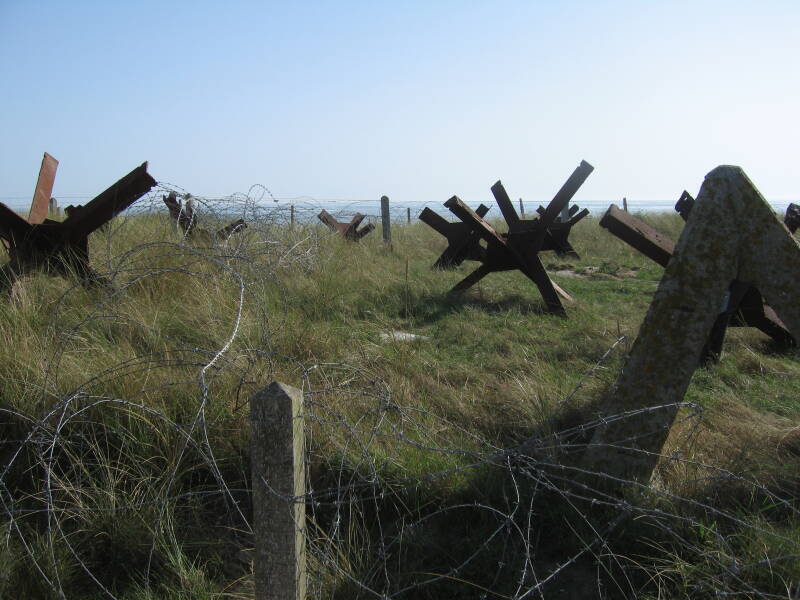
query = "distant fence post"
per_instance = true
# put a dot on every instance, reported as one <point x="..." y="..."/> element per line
<point x="408" y="214"/>
<point x="386" y="221"/>
<point x="53" y="208"/>
<point x="278" y="480"/>
<point x="291" y="214"/>
<point x="521" y="209"/>
<point x="625" y="204"/>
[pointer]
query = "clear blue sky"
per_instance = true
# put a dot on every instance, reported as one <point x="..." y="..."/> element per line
<point x="416" y="100"/>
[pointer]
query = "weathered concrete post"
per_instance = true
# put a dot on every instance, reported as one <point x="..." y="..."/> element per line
<point x="386" y="220"/>
<point x="278" y="479"/>
<point x="731" y="234"/>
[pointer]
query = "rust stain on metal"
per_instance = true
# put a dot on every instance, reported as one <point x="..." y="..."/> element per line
<point x="40" y="205"/>
<point x="638" y="234"/>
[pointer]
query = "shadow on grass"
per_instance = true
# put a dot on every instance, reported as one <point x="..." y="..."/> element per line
<point x="431" y="308"/>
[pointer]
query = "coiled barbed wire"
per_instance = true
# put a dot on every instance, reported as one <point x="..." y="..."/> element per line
<point x="530" y="515"/>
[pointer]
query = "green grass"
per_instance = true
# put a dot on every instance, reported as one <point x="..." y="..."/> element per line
<point x="400" y="433"/>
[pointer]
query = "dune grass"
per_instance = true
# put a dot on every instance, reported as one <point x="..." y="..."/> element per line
<point x="125" y="434"/>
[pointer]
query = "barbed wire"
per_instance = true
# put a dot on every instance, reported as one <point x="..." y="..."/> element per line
<point x="401" y="501"/>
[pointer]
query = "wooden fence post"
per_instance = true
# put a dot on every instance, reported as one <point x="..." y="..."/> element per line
<point x="53" y="208"/>
<point x="278" y="480"/>
<point x="625" y="204"/>
<point x="408" y="214"/>
<point x="521" y="209"/>
<point x="291" y="214"/>
<point x="386" y="220"/>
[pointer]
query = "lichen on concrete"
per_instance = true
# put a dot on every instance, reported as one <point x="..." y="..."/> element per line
<point x="731" y="234"/>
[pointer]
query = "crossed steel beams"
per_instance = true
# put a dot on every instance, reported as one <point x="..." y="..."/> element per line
<point x="744" y="306"/>
<point x="41" y="243"/>
<point x="518" y="248"/>
<point x="349" y="230"/>
<point x="463" y="242"/>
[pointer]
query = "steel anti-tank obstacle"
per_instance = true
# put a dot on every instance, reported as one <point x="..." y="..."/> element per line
<point x="41" y="243"/>
<point x="349" y="231"/>
<point x="519" y="247"/>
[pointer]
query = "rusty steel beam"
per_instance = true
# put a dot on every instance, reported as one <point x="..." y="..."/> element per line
<point x="634" y="232"/>
<point x="40" y="205"/>
<point x="567" y="191"/>
<point x="505" y="204"/>
<point x="104" y="207"/>
<point x="462" y="242"/>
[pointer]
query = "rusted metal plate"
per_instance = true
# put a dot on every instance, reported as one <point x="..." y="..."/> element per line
<point x="40" y="205"/>
<point x="638" y="234"/>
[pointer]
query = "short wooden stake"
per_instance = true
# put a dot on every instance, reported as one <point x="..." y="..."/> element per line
<point x="408" y="215"/>
<point x="291" y="214"/>
<point x="386" y="220"/>
<point x="278" y="480"/>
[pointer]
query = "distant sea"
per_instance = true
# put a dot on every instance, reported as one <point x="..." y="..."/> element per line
<point x="399" y="210"/>
<point x="308" y="208"/>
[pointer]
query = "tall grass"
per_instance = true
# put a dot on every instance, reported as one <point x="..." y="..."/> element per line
<point x="125" y="435"/>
